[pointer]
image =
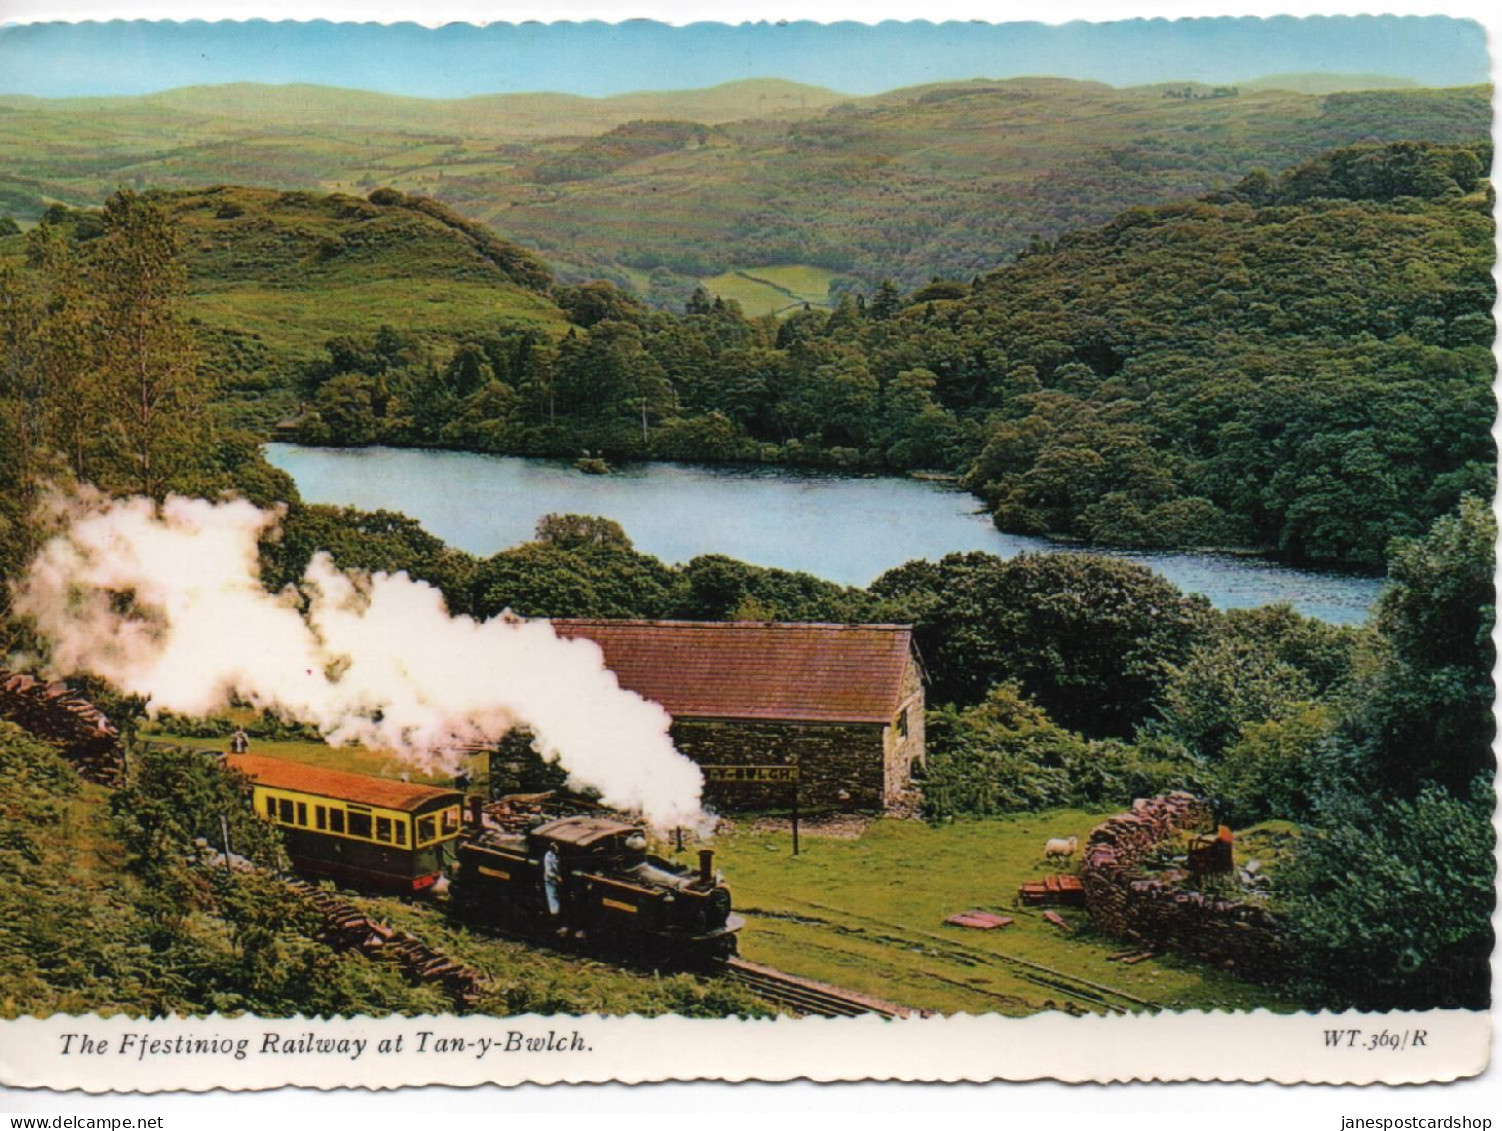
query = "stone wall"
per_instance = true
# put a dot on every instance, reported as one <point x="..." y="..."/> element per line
<point x="903" y="740"/>
<point x="1239" y="936"/>
<point x="840" y="765"/>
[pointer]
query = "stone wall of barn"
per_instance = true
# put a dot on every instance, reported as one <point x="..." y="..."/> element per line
<point x="903" y="739"/>
<point x="840" y="765"/>
<point x="1157" y="913"/>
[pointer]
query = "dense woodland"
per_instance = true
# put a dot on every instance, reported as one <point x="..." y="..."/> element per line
<point x="1302" y="361"/>
<point x="1298" y="364"/>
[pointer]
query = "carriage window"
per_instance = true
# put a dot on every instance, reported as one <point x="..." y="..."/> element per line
<point x="286" y="811"/>
<point x="450" y="821"/>
<point x="359" y="824"/>
<point x="426" y="830"/>
<point x="271" y="807"/>
<point x="336" y="820"/>
<point x="320" y="816"/>
<point x="401" y="832"/>
<point x="302" y="813"/>
<point x="383" y="828"/>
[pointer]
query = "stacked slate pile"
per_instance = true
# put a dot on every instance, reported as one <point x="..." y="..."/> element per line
<point x="57" y="715"/>
<point x="1162" y="914"/>
<point x="346" y="927"/>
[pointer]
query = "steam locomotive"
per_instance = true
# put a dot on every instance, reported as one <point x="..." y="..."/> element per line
<point x="586" y="879"/>
<point x="589" y="878"/>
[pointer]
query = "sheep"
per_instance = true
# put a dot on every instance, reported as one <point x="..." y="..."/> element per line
<point x="1059" y="848"/>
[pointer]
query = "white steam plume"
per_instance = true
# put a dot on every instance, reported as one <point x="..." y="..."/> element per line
<point x="166" y="602"/>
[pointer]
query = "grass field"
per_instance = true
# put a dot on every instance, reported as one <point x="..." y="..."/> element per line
<point x="773" y="290"/>
<point x="295" y="324"/>
<point x="869" y="913"/>
<point x="354" y="759"/>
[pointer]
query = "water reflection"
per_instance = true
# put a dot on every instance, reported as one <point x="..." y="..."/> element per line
<point x="848" y="529"/>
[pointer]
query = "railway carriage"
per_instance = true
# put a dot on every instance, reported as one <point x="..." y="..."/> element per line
<point x="368" y="832"/>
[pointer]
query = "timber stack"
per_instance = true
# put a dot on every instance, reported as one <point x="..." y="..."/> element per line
<point x="58" y="715"/>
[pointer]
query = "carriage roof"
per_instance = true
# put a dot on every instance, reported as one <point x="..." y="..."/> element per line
<point x="381" y="793"/>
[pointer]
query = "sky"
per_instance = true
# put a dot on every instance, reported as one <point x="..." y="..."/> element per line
<point x="597" y="59"/>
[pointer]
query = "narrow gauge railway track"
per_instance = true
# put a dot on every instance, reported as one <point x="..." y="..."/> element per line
<point x="1096" y="994"/>
<point x="802" y="995"/>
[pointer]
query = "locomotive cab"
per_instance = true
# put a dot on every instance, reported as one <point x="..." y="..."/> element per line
<point x="591" y="877"/>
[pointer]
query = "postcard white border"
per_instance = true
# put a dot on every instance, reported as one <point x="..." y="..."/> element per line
<point x="121" y="1054"/>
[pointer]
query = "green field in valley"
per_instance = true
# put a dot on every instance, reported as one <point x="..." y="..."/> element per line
<point x="773" y="290"/>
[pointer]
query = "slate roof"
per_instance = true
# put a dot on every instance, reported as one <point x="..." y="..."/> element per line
<point x="834" y="673"/>
<point x="339" y="785"/>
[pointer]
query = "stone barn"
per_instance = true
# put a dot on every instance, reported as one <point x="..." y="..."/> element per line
<point x="841" y="703"/>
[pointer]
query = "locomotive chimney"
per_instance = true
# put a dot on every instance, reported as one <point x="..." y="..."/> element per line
<point x="706" y="866"/>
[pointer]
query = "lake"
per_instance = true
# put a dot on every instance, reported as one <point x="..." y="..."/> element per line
<point x="848" y="529"/>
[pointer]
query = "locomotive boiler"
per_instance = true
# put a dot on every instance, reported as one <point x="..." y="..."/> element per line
<point x="589" y="879"/>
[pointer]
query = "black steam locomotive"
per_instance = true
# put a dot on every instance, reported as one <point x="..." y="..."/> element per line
<point x="589" y="879"/>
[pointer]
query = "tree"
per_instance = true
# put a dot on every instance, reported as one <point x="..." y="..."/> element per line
<point x="1423" y="712"/>
<point x="592" y="303"/>
<point x="1092" y="640"/>
<point x="714" y="587"/>
<point x="1389" y="907"/>
<point x="700" y="302"/>
<point x="375" y="541"/>
<point x="580" y="531"/>
<point x="885" y="303"/>
<point x="540" y="579"/>
<point x="347" y="408"/>
<point x="148" y="362"/>
<point x="1226" y="685"/>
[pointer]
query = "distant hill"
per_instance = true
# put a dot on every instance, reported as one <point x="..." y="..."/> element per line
<point x="1318" y="83"/>
<point x="202" y="109"/>
<point x="657" y="189"/>
<point x="950" y="180"/>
